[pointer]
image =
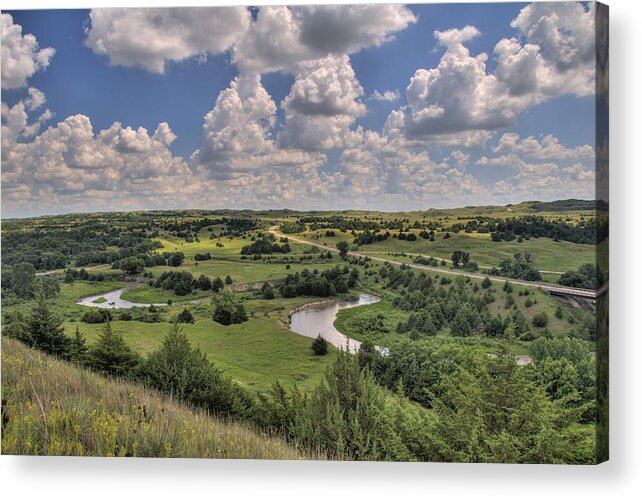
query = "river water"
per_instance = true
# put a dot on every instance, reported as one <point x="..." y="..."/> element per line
<point x="113" y="301"/>
<point x="318" y="319"/>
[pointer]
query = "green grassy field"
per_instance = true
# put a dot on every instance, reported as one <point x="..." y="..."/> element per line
<point x="54" y="408"/>
<point x="256" y="353"/>
<point x="150" y="295"/>
<point x="549" y="256"/>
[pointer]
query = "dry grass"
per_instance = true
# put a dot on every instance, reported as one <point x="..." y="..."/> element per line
<point x="53" y="408"/>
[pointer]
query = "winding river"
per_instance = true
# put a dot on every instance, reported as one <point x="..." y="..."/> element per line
<point x="318" y="319"/>
<point x="113" y="300"/>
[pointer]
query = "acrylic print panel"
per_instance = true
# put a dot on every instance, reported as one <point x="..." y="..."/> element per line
<point x="368" y="232"/>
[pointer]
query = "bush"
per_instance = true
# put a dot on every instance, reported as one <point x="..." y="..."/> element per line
<point x="319" y="346"/>
<point x="96" y="315"/>
<point x="267" y="291"/>
<point x="185" y="317"/>
<point x="203" y="283"/>
<point x="228" y="311"/>
<point x="540" y="320"/>
<point x="176" y="259"/>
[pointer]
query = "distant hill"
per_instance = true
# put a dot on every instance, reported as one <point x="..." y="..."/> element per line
<point x="563" y="205"/>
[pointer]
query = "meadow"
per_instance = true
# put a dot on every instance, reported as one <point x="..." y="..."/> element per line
<point x="429" y="321"/>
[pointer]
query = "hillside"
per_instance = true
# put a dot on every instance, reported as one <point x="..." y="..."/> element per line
<point x="50" y="407"/>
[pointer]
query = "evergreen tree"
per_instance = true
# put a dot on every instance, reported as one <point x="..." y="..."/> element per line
<point x="78" y="350"/>
<point x="111" y="354"/>
<point x="46" y="330"/>
<point x="186" y="372"/>
<point x="319" y="346"/>
<point x="217" y="284"/>
<point x="185" y="316"/>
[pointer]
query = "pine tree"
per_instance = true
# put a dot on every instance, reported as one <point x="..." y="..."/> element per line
<point x="45" y="329"/>
<point x="78" y="350"/>
<point x="111" y="354"/>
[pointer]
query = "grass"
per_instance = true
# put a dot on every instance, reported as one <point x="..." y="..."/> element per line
<point x="152" y="295"/>
<point x="100" y="300"/>
<point x="550" y="256"/>
<point x="357" y="322"/>
<point x="256" y="353"/>
<point x="54" y="408"/>
<point x="227" y="260"/>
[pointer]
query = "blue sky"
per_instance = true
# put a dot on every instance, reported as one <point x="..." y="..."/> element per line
<point x="297" y="125"/>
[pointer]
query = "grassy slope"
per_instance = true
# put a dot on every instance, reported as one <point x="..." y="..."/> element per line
<point x="54" y="408"/>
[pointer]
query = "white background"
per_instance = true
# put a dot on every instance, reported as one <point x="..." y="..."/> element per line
<point x="621" y="476"/>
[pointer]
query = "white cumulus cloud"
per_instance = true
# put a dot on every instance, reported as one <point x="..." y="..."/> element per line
<point x="21" y="55"/>
<point x="150" y="38"/>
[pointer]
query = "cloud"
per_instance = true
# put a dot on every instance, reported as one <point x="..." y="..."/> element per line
<point x="322" y="105"/>
<point x="150" y="38"/>
<point x="237" y="133"/>
<point x="282" y="37"/>
<point x="548" y="147"/>
<point x="71" y="158"/>
<point x="454" y="37"/>
<point x="21" y="55"/>
<point x="36" y="99"/>
<point x="460" y="94"/>
<point x="386" y="96"/>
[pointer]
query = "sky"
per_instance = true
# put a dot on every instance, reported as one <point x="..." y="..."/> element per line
<point x="386" y="107"/>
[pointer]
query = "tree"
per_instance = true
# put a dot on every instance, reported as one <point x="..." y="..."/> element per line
<point x="186" y="372"/>
<point x="493" y="412"/>
<point x="203" y="283"/>
<point x="132" y="265"/>
<point x="267" y="291"/>
<point x="22" y="279"/>
<point x="319" y="346"/>
<point x="184" y="317"/>
<point x="15" y="326"/>
<point x="111" y="354"/>
<point x="228" y="280"/>
<point x="78" y="350"/>
<point x="343" y="248"/>
<point x="217" y="284"/>
<point x="540" y="320"/>
<point x="227" y="310"/>
<point x="486" y="283"/>
<point x="176" y="259"/>
<point x="46" y="330"/>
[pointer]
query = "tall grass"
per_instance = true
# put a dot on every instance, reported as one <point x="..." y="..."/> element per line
<point x="50" y="407"/>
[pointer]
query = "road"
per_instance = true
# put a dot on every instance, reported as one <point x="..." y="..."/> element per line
<point x="552" y="288"/>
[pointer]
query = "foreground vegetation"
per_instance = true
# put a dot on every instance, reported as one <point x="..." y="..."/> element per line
<point x="51" y="407"/>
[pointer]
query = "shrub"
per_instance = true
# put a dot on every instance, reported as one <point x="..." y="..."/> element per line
<point x="267" y="291"/>
<point x="228" y="311"/>
<point x="96" y="315"/>
<point x="319" y="346"/>
<point x="540" y="320"/>
<point x="185" y="317"/>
